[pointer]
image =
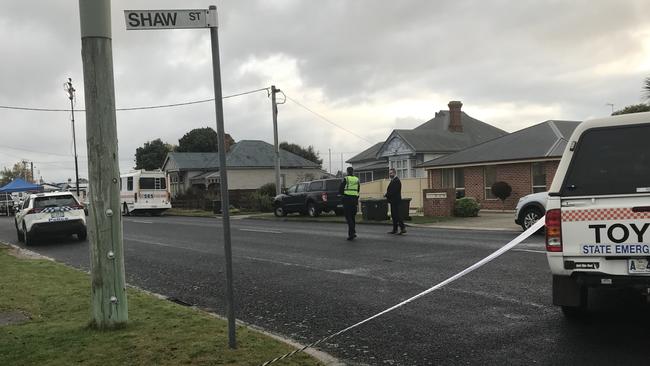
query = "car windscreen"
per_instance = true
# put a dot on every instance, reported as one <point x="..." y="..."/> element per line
<point x="54" y="201"/>
<point x="613" y="160"/>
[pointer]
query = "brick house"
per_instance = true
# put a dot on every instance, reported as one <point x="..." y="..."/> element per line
<point x="404" y="150"/>
<point x="525" y="159"/>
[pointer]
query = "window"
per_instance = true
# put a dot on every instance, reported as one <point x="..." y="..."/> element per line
<point x="539" y="177"/>
<point x="129" y="183"/>
<point x="447" y="178"/>
<point x="454" y="178"/>
<point x="401" y="168"/>
<point x="459" y="182"/>
<point x="55" y="201"/>
<point x="364" y="177"/>
<point x="490" y="177"/>
<point x="292" y="189"/>
<point x="609" y="161"/>
<point x="301" y="187"/>
<point x="152" y="183"/>
<point x="332" y="185"/>
<point x="316" y="186"/>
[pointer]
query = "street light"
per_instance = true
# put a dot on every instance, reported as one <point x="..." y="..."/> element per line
<point x="70" y="90"/>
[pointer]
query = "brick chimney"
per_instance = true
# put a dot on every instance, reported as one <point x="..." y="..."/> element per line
<point x="455" y="125"/>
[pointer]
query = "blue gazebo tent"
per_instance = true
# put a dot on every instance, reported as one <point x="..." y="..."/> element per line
<point x="19" y="185"/>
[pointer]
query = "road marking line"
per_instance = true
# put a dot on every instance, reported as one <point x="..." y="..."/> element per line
<point x="262" y="231"/>
<point x="530" y="251"/>
<point x="140" y="221"/>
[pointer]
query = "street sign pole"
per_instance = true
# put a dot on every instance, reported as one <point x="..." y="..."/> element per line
<point x="223" y="175"/>
<point x="201" y="18"/>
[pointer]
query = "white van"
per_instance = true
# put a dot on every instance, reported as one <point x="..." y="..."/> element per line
<point x="144" y="191"/>
<point x="598" y="211"/>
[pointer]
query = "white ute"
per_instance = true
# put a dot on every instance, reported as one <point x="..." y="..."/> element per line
<point x="598" y="211"/>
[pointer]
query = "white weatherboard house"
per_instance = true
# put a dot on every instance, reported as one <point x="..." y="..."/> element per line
<point x="250" y="165"/>
<point x="447" y="132"/>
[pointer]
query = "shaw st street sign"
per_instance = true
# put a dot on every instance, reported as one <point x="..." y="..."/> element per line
<point x="170" y="19"/>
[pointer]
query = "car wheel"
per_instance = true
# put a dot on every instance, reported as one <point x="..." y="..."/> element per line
<point x="82" y="235"/>
<point x="29" y="238"/>
<point x="280" y="211"/>
<point x="530" y="217"/>
<point x="312" y="210"/>
<point x="574" y="312"/>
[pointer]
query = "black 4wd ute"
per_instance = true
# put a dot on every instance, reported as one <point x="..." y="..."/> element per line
<point x="310" y="198"/>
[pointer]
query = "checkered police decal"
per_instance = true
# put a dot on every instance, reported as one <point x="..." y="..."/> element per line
<point x="56" y="209"/>
<point x="602" y="214"/>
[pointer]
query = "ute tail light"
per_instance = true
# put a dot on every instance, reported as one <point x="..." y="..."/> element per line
<point x="34" y="211"/>
<point x="135" y="196"/>
<point x="324" y="197"/>
<point x="77" y="207"/>
<point x="554" y="230"/>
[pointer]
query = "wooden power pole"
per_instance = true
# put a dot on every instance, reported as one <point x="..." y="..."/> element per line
<point x="109" y="305"/>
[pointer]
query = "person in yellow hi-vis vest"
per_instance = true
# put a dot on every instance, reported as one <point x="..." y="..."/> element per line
<point x="349" y="189"/>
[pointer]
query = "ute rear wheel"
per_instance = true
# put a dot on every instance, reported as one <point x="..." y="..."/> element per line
<point x="312" y="210"/>
<point x="20" y="235"/>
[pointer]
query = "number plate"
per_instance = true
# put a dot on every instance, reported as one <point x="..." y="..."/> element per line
<point x="638" y="266"/>
<point x="56" y="214"/>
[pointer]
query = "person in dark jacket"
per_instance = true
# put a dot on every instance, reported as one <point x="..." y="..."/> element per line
<point x="394" y="197"/>
<point x="349" y="189"/>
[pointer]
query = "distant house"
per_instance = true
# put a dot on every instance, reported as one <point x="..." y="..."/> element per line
<point x="250" y="165"/>
<point x="525" y="159"/>
<point x="447" y="132"/>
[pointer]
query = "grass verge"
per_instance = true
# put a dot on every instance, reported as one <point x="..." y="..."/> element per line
<point x="56" y="299"/>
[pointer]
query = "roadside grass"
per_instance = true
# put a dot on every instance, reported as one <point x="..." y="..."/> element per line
<point x="56" y="298"/>
<point x="341" y="219"/>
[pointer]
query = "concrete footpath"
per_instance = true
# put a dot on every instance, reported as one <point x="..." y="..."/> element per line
<point x="498" y="221"/>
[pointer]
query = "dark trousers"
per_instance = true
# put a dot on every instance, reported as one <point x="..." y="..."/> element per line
<point x="350" y="204"/>
<point x="396" y="216"/>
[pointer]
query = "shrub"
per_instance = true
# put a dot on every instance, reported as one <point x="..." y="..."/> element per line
<point x="256" y="202"/>
<point x="267" y="190"/>
<point x="501" y="190"/>
<point x="466" y="207"/>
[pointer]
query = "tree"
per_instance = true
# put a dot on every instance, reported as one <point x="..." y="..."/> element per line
<point x="307" y="153"/>
<point x="202" y="140"/>
<point x="635" y="108"/>
<point x="501" y="190"/>
<point x="646" y="88"/>
<point x="19" y="170"/>
<point x="152" y="155"/>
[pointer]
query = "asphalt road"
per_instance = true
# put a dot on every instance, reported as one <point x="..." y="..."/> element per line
<point x="305" y="281"/>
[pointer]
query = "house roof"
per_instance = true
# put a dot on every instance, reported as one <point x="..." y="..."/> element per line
<point x="373" y="165"/>
<point x="244" y="154"/>
<point x="367" y="154"/>
<point x="434" y="135"/>
<point x="544" y="140"/>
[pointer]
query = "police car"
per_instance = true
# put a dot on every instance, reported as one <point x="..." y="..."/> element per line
<point x="598" y="211"/>
<point x="50" y="214"/>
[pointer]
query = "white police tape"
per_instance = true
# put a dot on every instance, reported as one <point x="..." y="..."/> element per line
<point x="514" y="242"/>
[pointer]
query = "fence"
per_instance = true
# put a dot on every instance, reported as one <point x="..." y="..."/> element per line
<point x="411" y="188"/>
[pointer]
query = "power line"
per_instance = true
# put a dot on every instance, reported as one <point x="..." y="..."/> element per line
<point x="134" y="108"/>
<point x="327" y="120"/>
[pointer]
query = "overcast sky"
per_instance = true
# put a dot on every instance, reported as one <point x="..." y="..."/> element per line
<point x="369" y="66"/>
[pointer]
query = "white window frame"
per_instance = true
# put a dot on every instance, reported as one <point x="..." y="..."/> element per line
<point x="537" y="188"/>
<point x="487" y="192"/>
